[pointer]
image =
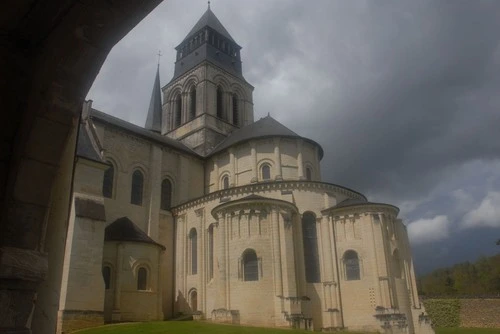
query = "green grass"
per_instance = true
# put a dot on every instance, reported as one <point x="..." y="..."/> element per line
<point x="199" y="327"/>
<point x="467" y="330"/>
<point x="185" y="327"/>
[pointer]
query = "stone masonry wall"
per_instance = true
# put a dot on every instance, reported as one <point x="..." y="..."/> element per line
<point x="482" y="313"/>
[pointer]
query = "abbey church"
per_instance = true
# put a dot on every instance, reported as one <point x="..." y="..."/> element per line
<point x="207" y="212"/>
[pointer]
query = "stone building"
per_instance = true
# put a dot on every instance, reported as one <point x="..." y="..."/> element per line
<point x="205" y="211"/>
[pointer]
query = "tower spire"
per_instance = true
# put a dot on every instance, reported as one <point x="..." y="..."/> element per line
<point x="153" y="121"/>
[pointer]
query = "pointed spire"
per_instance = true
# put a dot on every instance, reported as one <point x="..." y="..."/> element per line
<point x="153" y="121"/>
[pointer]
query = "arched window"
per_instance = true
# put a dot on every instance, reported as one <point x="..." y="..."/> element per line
<point x="310" y="240"/>
<point x="178" y="110"/>
<point x="211" y="251"/>
<point x="192" y="108"/>
<point x="351" y="264"/>
<point x="235" y="110"/>
<point x="106" y="275"/>
<point x="193" y="243"/>
<point x="166" y="195"/>
<point x="193" y="300"/>
<point x="142" y="278"/>
<point x="308" y="174"/>
<point x="220" y="106"/>
<point x="108" y="180"/>
<point x="137" y="188"/>
<point x="225" y="182"/>
<point x="266" y="172"/>
<point x="250" y="266"/>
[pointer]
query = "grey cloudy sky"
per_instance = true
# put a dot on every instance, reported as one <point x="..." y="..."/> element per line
<point x="404" y="97"/>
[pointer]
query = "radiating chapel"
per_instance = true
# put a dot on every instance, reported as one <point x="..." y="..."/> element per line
<point x="206" y="212"/>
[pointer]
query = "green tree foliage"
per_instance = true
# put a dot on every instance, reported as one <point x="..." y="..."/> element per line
<point x="479" y="278"/>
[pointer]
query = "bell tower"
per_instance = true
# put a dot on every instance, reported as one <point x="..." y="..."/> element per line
<point x="208" y="97"/>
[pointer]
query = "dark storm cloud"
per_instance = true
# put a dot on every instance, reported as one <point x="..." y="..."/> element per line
<point x="404" y="96"/>
<point x="416" y="89"/>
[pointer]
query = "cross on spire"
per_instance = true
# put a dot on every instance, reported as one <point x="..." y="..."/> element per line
<point x="159" y="55"/>
<point x="208" y="4"/>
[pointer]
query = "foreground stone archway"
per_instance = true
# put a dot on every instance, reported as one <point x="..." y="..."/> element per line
<point x="50" y="53"/>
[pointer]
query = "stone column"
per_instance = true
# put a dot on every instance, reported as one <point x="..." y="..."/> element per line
<point x="278" y="277"/>
<point x="300" y="163"/>
<point x="216" y="172"/>
<point x="232" y="166"/>
<point x="277" y="159"/>
<point x="116" y="317"/>
<point x="253" y="155"/>
<point x="222" y="279"/>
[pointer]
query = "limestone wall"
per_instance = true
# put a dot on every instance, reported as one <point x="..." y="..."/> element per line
<point x="481" y="313"/>
<point x="130" y="303"/>
<point x="288" y="158"/>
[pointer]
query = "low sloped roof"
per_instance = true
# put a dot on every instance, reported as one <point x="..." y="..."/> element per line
<point x="123" y="229"/>
<point x="85" y="147"/>
<point x="263" y="128"/>
<point x="142" y="132"/>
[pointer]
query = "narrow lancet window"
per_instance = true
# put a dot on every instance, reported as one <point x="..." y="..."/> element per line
<point x="166" y="195"/>
<point x="351" y="263"/>
<point x="250" y="266"/>
<point x="142" y="279"/>
<point x="137" y="188"/>
<point x="194" y="251"/>
<point x="178" y="110"/>
<point x="310" y="240"/>
<point x="192" y="109"/>
<point x="235" y="110"/>
<point x="220" y="107"/>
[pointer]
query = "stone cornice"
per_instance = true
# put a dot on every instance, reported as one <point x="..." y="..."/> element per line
<point x="266" y="186"/>
<point x="363" y="208"/>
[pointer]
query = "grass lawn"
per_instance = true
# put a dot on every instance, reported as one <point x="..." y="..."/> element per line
<point x="467" y="330"/>
<point x="199" y="327"/>
<point x="186" y="327"/>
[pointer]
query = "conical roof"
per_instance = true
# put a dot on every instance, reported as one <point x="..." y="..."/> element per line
<point x="153" y="121"/>
<point x="208" y="19"/>
<point x="123" y="229"/>
<point x="264" y="127"/>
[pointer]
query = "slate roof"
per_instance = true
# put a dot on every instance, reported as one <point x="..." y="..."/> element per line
<point x="153" y="121"/>
<point x="209" y="19"/>
<point x="141" y="132"/>
<point x="123" y="229"/>
<point x="355" y="202"/>
<point x="264" y="127"/>
<point x="85" y="148"/>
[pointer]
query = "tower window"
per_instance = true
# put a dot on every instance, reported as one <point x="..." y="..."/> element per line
<point x="220" y="107"/>
<point x="142" y="279"/>
<point x="178" y="110"/>
<point x="310" y="240"/>
<point x="108" y="180"/>
<point x="193" y="243"/>
<point x="351" y="266"/>
<point x="250" y="266"/>
<point x="225" y="182"/>
<point x="192" y="109"/>
<point x="166" y="195"/>
<point x="266" y="172"/>
<point x="235" y="110"/>
<point x="308" y="174"/>
<point x="106" y="275"/>
<point x="137" y="188"/>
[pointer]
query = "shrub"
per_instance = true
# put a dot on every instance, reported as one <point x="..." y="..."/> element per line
<point x="443" y="312"/>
